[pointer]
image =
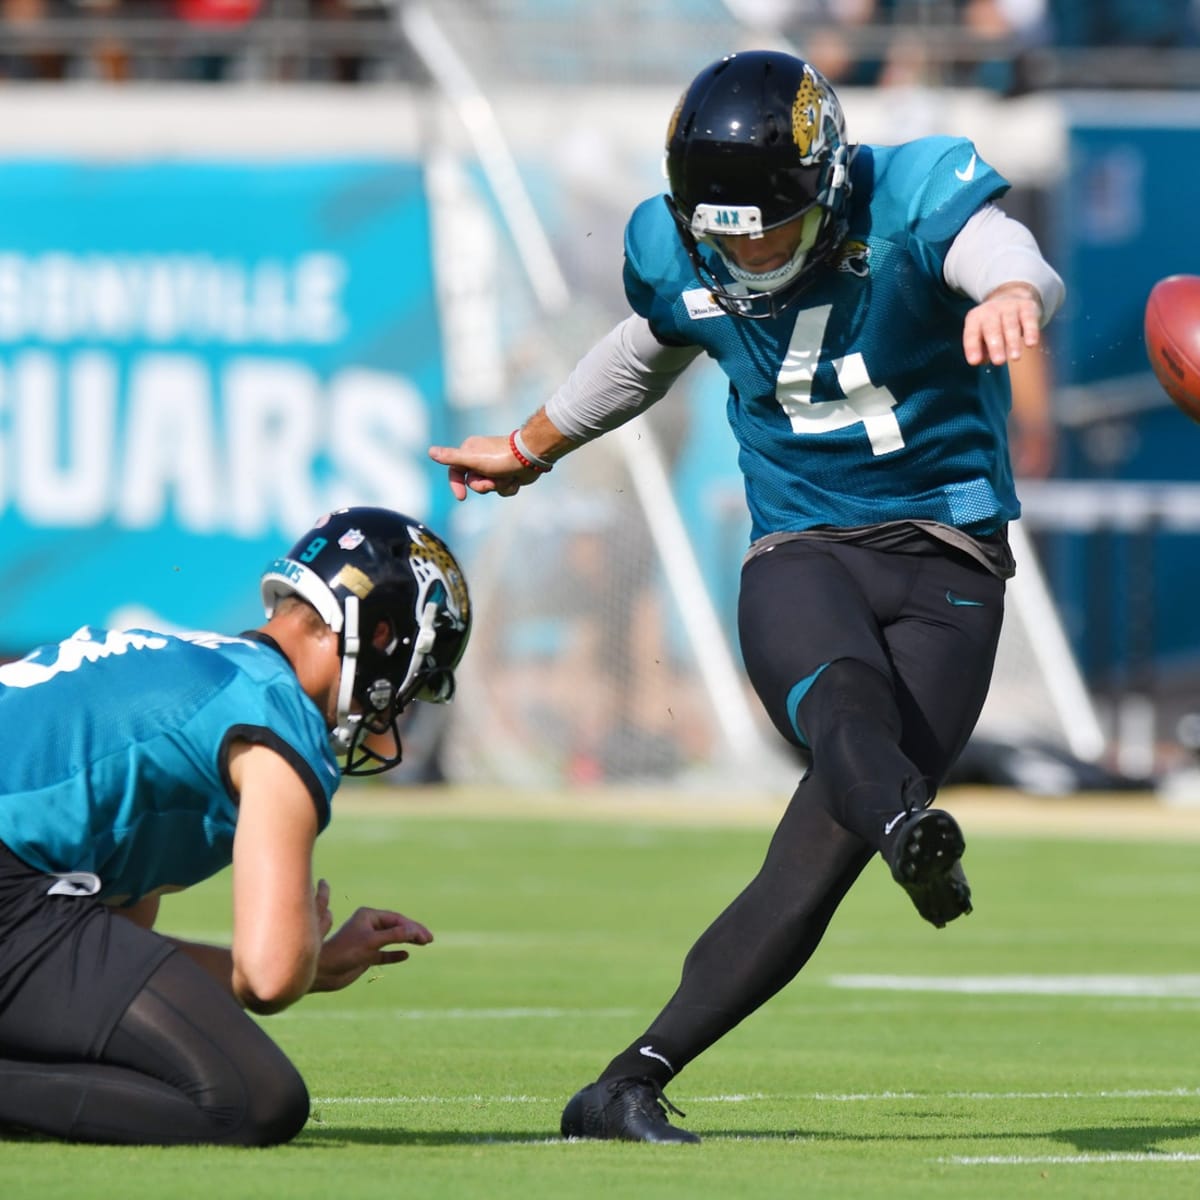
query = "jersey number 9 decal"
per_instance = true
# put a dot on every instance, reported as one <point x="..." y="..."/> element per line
<point x="862" y="401"/>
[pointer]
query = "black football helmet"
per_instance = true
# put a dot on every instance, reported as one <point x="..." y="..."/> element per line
<point x="393" y="592"/>
<point x="757" y="140"/>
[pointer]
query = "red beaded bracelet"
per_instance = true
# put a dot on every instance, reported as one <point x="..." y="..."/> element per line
<point x="523" y="455"/>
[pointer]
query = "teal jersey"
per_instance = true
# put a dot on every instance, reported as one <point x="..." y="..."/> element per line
<point x="114" y="752"/>
<point x="855" y="406"/>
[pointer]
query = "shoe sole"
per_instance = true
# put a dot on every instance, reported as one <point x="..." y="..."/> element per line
<point x="928" y="850"/>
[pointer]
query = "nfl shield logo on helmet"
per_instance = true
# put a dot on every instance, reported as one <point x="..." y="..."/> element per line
<point x="351" y="539"/>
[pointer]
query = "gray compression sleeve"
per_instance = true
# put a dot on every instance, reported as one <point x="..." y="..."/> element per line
<point x="991" y="249"/>
<point x="624" y="373"/>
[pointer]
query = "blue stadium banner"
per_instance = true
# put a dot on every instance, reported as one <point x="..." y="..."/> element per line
<point x="196" y="361"/>
<point x="1125" y="210"/>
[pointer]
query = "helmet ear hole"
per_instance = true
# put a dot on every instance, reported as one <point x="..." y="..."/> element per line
<point x="384" y="638"/>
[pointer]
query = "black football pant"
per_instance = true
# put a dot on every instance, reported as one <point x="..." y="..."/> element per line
<point x="875" y="665"/>
<point x="110" y="1034"/>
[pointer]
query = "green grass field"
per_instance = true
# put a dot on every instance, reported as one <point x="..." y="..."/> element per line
<point x="1043" y="1046"/>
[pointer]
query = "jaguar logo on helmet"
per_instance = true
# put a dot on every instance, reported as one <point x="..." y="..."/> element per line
<point x="430" y="556"/>
<point x="808" y="109"/>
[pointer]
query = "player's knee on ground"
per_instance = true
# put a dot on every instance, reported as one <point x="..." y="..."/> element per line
<point x="276" y="1110"/>
<point x="185" y="1031"/>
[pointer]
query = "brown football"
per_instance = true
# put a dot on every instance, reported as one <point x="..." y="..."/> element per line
<point x="1172" y="326"/>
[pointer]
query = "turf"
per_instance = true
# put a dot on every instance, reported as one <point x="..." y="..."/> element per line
<point x="558" y="939"/>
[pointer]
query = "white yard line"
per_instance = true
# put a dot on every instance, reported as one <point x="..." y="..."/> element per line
<point x="1056" y="1160"/>
<point x="1122" y="986"/>
<point x="451" y="1014"/>
<point x="812" y="1097"/>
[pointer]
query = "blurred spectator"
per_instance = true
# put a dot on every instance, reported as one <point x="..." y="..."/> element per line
<point x="823" y="30"/>
<point x="895" y="43"/>
<point x="108" y="58"/>
<point x="1014" y="27"/>
<point x="910" y="43"/>
<point x="212" y="66"/>
<point x="28" y="60"/>
<point x="342" y="65"/>
<point x="45" y="59"/>
<point x="222" y="13"/>
<point x="828" y="33"/>
<point x="832" y="44"/>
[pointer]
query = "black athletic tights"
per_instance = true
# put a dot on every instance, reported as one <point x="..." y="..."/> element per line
<point x="880" y="663"/>
<point x="757" y="945"/>
<point x="184" y="1065"/>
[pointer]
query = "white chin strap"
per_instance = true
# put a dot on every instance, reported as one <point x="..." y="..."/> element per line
<point x="426" y="638"/>
<point x="342" y="734"/>
<point x="771" y="281"/>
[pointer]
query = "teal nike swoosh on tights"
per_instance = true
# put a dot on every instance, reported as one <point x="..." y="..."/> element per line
<point x="961" y="601"/>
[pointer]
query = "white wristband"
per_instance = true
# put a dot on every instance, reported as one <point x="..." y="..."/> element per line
<point x="526" y="455"/>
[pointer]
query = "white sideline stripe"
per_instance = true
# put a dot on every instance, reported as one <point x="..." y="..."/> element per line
<point x="1054" y="1160"/>
<point x="820" y="1097"/>
<point x="431" y="1100"/>
<point x="1149" y="986"/>
<point x="1125" y="1094"/>
<point x="449" y="1014"/>
<point x="734" y="1099"/>
<point x="459" y="940"/>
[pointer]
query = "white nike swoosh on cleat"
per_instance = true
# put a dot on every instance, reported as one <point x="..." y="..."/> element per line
<point x="893" y="823"/>
<point x="968" y="172"/>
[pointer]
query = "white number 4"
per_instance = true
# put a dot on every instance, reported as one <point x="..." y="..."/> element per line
<point x="863" y="401"/>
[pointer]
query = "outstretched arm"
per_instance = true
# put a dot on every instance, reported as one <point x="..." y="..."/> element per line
<point x="995" y="260"/>
<point x="1004" y="325"/>
<point x="622" y="375"/>
<point x="500" y="463"/>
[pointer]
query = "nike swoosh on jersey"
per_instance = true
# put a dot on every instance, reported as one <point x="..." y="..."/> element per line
<point x="967" y="173"/>
<point x="961" y="601"/>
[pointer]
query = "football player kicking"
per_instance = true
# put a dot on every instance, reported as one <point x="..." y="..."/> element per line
<point x="137" y="763"/>
<point x="864" y="302"/>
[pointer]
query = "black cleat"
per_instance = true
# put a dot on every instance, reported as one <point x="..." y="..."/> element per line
<point x="628" y="1110"/>
<point x="925" y="863"/>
